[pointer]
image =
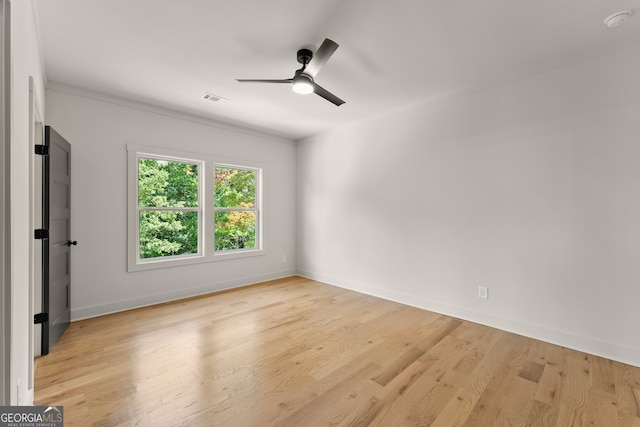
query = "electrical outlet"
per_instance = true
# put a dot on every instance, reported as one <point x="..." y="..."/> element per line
<point x="284" y="258"/>
<point x="483" y="292"/>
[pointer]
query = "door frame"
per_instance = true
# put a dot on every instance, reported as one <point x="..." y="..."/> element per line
<point x="36" y="136"/>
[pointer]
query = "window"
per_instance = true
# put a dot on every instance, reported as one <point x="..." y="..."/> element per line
<point x="235" y="208"/>
<point x="169" y="222"/>
<point x="168" y="208"/>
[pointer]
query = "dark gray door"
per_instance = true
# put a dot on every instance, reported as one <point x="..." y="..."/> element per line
<point x="56" y="251"/>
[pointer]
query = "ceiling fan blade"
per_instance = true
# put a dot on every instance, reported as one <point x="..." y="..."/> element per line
<point x="319" y="90"/>
<point x="264" y="81"/>
<point x="321" y="56"/>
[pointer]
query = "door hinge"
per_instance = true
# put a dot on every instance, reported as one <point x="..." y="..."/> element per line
<point x="42" y="150"/>
<point x="41" y="233"/>
<point x="40" y="318"/>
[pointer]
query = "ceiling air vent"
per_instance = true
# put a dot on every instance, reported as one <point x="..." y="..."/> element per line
<point x="214" y="98"/>
<point x="617" y="18"/>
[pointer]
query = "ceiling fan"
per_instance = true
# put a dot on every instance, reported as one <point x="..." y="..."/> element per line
<point x="303" y="79"/>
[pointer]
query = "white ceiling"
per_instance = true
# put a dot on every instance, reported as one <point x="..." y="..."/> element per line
<point x="392" y="52"/>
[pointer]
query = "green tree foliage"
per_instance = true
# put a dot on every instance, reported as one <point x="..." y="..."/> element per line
<point x="235" y="189"/>
<point x="167" y="184"/>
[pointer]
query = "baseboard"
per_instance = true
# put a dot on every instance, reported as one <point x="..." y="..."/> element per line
<point x="630" y="356"/>
<point x="133" y="303"/>
<point x="29" y="398"/>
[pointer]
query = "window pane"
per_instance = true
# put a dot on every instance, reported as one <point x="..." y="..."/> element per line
<point x="167" y="184"/>
<point x="235" y="188"/>
<point x="235" y="230"/>
<point x="166" y="233"/>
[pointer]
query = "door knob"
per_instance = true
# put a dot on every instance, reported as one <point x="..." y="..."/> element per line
<point x="72" y="242"/>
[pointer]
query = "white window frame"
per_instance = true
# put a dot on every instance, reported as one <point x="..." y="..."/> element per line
<point x="256" y="209"/>
<point x="206" y="217"/>
<point x="198" y="209"/>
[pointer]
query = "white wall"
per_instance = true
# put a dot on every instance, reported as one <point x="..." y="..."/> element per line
<point x="99" y="130"/>
<point x="529" y="188"/>
<point x="26" y="62"/>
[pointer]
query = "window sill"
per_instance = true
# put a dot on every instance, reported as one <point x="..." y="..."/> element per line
<point x="221" y="256"/>
<point x="154" y="264"/>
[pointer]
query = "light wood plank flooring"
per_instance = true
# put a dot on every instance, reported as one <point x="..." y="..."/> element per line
<point x="295" y="352"/>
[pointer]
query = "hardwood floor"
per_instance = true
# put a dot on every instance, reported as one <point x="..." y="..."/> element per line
<point x="295" y="352"/>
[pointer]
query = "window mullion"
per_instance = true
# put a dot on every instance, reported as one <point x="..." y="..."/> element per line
<point x="225" y="209"/>
<point x="169" y="208"/>
<point x="208" y="197"/>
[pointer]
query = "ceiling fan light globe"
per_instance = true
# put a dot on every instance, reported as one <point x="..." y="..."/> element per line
<point x="303" y="88"/>
<point x="302" y="85"/>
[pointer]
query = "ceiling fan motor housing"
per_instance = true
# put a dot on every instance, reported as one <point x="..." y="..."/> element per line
<point x="304" y="56"/>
